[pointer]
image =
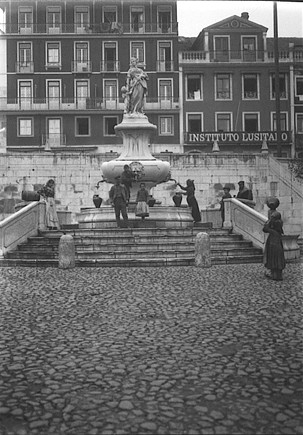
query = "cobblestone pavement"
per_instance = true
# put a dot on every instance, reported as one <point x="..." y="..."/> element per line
<point x="177" y="350"/>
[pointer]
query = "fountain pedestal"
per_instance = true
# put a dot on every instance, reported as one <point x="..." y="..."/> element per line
<point x="136" y="132"/>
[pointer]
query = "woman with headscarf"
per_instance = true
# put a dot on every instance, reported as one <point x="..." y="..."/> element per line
<point x="48" y="193"/>
<point x="191" y="199"/>
<point x="274" y="259"/>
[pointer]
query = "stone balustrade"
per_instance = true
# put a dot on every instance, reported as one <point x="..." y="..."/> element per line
<point x="16" y="229"/>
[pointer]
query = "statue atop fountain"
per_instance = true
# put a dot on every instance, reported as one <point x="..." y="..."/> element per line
<point x="135" y="90"/>
<point x="136" y="131"/>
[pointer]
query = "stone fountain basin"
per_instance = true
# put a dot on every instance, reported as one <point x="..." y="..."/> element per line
<point x="159" y="216"/>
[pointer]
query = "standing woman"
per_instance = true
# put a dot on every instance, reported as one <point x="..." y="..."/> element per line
<point x="191" y="199"/>
<point x="48" y="193"/>
<point x="274" y="259"/>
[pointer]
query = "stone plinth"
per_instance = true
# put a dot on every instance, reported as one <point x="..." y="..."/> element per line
<point x="159" y="217"/>
<point x="136" y="132"/>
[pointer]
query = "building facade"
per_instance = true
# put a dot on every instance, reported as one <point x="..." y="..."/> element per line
<point x="229" y="94"/>
<point x="67" y="61"/>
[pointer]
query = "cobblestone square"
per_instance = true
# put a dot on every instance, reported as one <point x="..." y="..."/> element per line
<point x="178" y="350"/>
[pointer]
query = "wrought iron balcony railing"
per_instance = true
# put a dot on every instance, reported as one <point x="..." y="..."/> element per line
<point x="81" y="103"/>
<point x="165" y="65"/>
<point x="24" y="67"/>
<point x="89" y="28"/>
<point x="110" y="66"/>
<point x="81" y="66"/>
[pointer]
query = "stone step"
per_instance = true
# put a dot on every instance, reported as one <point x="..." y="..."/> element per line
<point x="182" y="251"/>
<point x="142" y="262"/>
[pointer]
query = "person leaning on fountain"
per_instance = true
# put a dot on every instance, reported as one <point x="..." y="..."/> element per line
<point x="191" y="199"/>
<point x="119" y="198"/>
<point x="127" y="178"/>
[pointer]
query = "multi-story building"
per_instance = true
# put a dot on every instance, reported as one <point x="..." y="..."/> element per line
<point x="67" y="61"/>
<point x="228" y="90"/>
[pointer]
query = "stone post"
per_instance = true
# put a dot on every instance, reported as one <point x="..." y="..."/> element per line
<point x="227" y="214"/>
<point x="202" y="250"/>
<point x="66" y="252"/>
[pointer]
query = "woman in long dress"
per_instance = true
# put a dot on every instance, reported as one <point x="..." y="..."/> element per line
<point x="48" y="193"/>
<point x="191" y="199"/>
<point x="136" y="86"/>
<point x="274" y="259"/>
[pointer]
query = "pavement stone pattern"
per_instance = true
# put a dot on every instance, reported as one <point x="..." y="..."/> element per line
<point x="177" y="350"/>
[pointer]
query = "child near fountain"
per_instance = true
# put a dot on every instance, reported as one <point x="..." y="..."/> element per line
<point x="142" y="209"/>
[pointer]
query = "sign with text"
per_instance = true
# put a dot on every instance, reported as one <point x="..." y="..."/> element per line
<point x="240" y="137"/>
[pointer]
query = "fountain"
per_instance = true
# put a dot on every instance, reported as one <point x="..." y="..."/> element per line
<point x="136" y="132"/>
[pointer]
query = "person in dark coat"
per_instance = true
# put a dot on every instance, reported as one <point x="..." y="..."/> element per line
<point x="226" y="194"/>
<point x="191" y="199"/>
<point x="118" y="196"/>
<point x="274" y="259"/>
<point x="244" y="192"/>
<point x="127" y="179"/>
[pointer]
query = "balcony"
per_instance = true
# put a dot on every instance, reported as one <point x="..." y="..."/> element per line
<point x="80" y="67"/>
<point x="110" y="66"/>
<point x="239" y="56"/>
<point x="89" y="28"/>
<point x="80" y="103"/>
<point x="165" y="65"/>
<point x="24" y="67"/>
<point x="53" y="140"/>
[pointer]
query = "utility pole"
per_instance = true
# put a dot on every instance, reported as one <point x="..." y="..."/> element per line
<point x="277" y="82"/>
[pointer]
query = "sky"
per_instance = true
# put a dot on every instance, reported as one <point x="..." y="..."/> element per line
<point x="194" y="15"/>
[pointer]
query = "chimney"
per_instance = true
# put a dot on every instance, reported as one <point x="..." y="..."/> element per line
<point x="245" y="15"/>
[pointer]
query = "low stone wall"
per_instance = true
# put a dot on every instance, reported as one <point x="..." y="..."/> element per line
<point x="76" y="177"/>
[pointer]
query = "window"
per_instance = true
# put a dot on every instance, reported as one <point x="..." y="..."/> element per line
<point x="165" y="56"/>
<point x="137" y="19"/>
<point x="250" y="87"/>
<point x="81" y="56"/>
<point x="25" y="57"/>
<point x="109" y="14"/>
<point x="53" y="93"/>
<point x="282" y="85"/>
<point x="82" y="92"/>
<point x="249" y="48"/>
<point x="299" y="87"/>
<point x="283" y="121"/>
<point x="194" y="122"/>
<point x="164" y="19"/>
<point x="109" y="123"/>
<point x="165" y="89"/>
<point x="25" y="19"/>
<point x="25" y="93"/>
<point x="81" y="19"/>
<point x="53" y="54"/>
<point x="223" y="122"/>
<point x="223" y="87"/>
<point x="110" y="89"/>
<point x="83" y="126"/>
<point x="299" y="122"/>
<point x="54" y="135"/>
<point x="110" y="56"/>
<point x="251" y="122"/>
<point x="221" y="48"/>
<point x="137" y="51"/>
<point x="166" y="125"/>
<point x="25" y="127"/>
<point x="53" y="19"/>
<point x="194" y="87"/>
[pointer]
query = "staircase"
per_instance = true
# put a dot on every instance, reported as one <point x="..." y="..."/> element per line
<point x="134" y="247"/>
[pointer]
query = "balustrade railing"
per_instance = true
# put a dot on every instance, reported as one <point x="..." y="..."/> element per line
<point x="16" y="229"/>
<point x="239" y="56"/>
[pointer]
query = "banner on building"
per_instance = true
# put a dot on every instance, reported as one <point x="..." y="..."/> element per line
<point x="240" y="137"/>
